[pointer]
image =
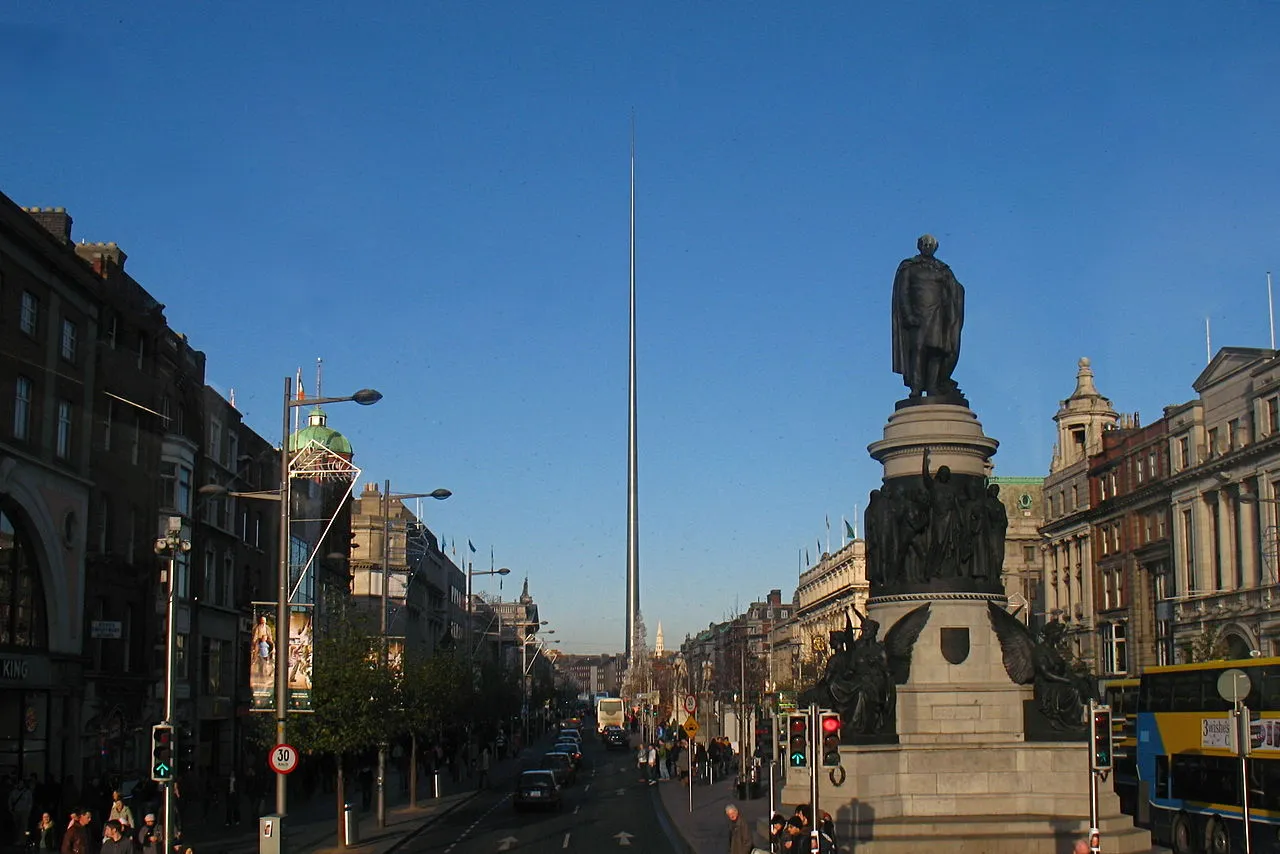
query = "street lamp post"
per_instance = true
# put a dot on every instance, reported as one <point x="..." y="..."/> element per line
<point x="470" y="622"/>
<point x="439" y="495"/>
<point x="524" y="675"/>
<point x="364" y="397"/>
<point x="171" y="544"/>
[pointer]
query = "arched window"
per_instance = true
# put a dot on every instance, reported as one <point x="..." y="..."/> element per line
<point x="23" y="621"/>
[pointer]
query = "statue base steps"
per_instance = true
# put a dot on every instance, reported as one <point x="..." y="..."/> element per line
<point x="981" y="798"/>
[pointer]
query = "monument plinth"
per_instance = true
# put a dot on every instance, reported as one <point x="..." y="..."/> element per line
<point x="962" y="728"/>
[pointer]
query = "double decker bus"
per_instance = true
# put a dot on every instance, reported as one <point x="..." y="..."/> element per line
<point x="1122" y="696"/>
<point x="1189" y="781"/>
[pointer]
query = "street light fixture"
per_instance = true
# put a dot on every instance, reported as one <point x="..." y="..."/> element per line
<point x="439" y="495"/>
<point x="364" y="397"/>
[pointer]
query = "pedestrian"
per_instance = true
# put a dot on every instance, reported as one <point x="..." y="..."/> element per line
<point x="75" y="840"/>
<point x="46" y="833"/>
<point x="777" y="831"/>
<point x="651" y="762"/>
<point x="1081" y="847"/>
<point x="21" y="799"/>
<point x="233" y="801"/>
<point x="151" y="835"/>
<point x="739" y="833"/>
<point x="114" y="840"/>
<point x="484" y="768"/>
<point x="120" y="812"/>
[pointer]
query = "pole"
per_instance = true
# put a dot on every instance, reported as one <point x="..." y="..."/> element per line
<point x="386" y="577"/>
<point x="815" y="746"/>
<point x="171" y="609"/>
<point x="524" y="689"/>
<point x="1243" y="746"/>
<point x="633" y="514"/>
<point x="1271" y="312"/>
<point x="282" y="605"/>
<point x="413" y="769"/>
<point x="1095" y="838"/>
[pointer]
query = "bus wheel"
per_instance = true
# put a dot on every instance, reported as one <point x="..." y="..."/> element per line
<point x="1182" y="835"/>
<point x="1219" y="838"/>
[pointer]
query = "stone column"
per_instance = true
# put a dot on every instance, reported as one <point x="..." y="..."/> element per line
<point x="1247" y="533"/>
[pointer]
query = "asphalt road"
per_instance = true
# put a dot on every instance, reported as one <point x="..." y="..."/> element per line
<point x="609" y="808"/>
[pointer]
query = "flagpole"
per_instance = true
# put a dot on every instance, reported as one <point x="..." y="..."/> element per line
<point x="633" y="535"/>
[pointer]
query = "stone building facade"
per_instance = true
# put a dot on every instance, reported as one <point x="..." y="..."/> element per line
<point x="824" y="599"/>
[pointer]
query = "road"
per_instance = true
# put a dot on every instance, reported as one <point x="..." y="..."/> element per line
<point x="609" y="808"/>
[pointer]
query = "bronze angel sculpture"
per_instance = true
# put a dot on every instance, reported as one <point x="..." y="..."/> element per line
<point x="862" y="674"/>
<point x="1061" y="694"/>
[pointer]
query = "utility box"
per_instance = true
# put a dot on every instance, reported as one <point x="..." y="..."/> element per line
<point x="270" y="834"/>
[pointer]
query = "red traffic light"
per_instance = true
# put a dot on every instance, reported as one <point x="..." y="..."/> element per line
<point x="830" y="724"/>
<point x="799" y="724"/>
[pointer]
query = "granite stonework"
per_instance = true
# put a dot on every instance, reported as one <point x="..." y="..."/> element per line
<point x="960" y="774"/>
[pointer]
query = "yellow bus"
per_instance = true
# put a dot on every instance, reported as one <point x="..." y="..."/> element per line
<point x="1189" y="782"/>
<point x="1122" y="696"/>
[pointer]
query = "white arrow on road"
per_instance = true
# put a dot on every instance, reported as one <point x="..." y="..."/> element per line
<point x="621" y="792"/>
<point x="505" y="844"/>
<point x="623" y="838"/>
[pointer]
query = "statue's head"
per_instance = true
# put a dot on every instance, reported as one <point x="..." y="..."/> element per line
<point x="927" y="244"/>
<point x="944" y="473"/>
<point x="994" y="490"/>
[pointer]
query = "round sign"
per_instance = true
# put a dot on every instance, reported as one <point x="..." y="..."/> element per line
<point x="1234" y="685"/>
<point x="283" y="759"/>
<point x="690" y="704"/>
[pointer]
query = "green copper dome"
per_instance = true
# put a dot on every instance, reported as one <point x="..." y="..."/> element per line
<point x="317" y="430"/>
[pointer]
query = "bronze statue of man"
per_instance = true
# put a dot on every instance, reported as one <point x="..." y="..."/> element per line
<point x="928" y="313"/>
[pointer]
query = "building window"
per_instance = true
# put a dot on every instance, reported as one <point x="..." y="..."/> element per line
<point x="1138" y="471"/>
<point x="136" y="445"/>
<point x="1152" y="465"/>
<point x="1075" y="497"/>
<point x="1273" y="415"/>
<point x="1189" y="548"/>
<point x="215" y="439"/>
<point x="67" y="344"/>
<point x="1114" y="658"/>
<point x="209" y="589"/>
<point x="112" y="322"/>
<point x="175" y="483"/>
<point x="22" y="409"/>
<point x="22" y="599"/>
<point x="1213" y="441"/>
<point x="212" y="654"/>
<point x="1029" y="554"/>
<point x="1184" y="452"/>
<point x="180" y="668"/>
<point x="142" y="348"/>
<point x="30" y="313"/>
<point x="63" y="447"/>
<point x="227" y="579"/>
<point x="182" y="574"/>
<point x="1233" y="433"/>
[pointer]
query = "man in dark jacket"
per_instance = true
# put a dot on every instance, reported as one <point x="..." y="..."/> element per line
<point x="739" y="833"/>
<point x="113" y="839"/>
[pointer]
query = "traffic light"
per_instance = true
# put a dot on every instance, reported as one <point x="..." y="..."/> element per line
<point x="798" y="740"/>
<point x="1100" y="739"/>
<point x="185" y="749"/>
<point x="830" y="724"/>
<point x="162" y="753"/>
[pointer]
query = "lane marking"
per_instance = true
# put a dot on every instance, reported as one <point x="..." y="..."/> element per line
<point x="566" y="841"/>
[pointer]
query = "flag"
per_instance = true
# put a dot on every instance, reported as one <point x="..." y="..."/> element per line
<point x="302" y="395"/>
<point x="470" y="546"/>
<point x="806" y="557"/>
<point x="849" y="530"/>
<point x="817" y="547"/>
<point x="828" y="518"/>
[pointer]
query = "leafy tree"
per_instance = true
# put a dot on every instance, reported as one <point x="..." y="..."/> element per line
<point x="354" y="700"/>
<point x="1210" y="645"/>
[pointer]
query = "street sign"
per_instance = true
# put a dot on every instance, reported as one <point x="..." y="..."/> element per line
<point x="691" y="726"/>
<point x="690" y="704"/>
<point x="283" y="759"/>
<point x="1234" y="685"/>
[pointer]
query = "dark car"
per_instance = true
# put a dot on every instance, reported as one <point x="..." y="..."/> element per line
<point x="562" y="764"/>
<point x="537" y="789"/>
<point x="615" y="738"/>
<point x="571" y="748"/>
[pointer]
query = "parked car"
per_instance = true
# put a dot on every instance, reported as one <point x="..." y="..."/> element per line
<point x="615" y="738"/>
<point x="562" y="764"/>
<point x="537" y="789"/>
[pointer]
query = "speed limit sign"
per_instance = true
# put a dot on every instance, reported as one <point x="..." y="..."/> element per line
<point x="691" y="704"/>
<point x="283" y="759"/>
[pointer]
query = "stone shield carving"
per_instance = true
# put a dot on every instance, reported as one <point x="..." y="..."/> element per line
<point x="955" y="644"/>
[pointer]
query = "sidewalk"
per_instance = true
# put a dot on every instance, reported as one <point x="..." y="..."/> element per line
<point x="705" y="828"/>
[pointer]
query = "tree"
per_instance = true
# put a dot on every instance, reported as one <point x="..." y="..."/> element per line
<point x="354" y="700"/>
<point x="1210" y="645"/>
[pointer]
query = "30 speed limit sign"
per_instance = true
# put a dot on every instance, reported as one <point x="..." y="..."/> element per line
<point x="283" y="758"/>
<point x="691" y="704"/>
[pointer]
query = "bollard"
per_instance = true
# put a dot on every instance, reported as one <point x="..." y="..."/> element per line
<point x="350" y="825"/>
<point x="435" y="784"/>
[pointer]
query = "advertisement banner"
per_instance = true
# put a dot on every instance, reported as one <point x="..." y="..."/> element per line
<point x="263" y="659"/>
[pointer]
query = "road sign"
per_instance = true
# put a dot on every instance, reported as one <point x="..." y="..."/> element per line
<point x="691" y="726"/>
<point x="690" y="704"/>
<point x="283" y="759"/>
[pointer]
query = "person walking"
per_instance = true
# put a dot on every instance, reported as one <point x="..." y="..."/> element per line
<point x="484" y="768"/>
<point x="233" y="801"/>
<point x="21" y="799"/>
<point x="46" y="833"/>
<point x="739" y="833"/>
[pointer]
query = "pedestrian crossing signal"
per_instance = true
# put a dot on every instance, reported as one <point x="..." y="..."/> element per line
<point x="798" y="740"/>
<point x="162" y="753"/>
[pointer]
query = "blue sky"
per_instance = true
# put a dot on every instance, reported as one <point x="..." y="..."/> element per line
<point x="433" y="198"/>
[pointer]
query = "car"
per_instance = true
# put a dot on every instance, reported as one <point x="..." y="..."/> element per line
<point x="562" y="764"/>
<point x="570" y="734"/>
<point x="571" y="748"/>
<point x="615" y="738"/>
<point x="537" y="788"/>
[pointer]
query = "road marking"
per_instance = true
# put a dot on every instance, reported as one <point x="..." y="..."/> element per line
<point x="623" y="838"/>
<point x="586" y="788"/>
<point x="575" y="809"/>
<point x="505" y="844"/>
<point x="621" y="792"/>
<point x="566" y="841"/>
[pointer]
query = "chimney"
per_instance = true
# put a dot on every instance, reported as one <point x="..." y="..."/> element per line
<point x="102" y="255"/>
<point x="56" y="221"/>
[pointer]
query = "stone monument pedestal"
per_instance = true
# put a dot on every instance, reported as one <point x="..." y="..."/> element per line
<point x="957" y="772"/>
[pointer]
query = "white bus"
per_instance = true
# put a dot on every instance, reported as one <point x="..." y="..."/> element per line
<point x="610" y="712"/>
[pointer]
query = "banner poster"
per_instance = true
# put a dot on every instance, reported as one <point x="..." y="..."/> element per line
<point x="301" y="643"/>
<point x="262" y="657"/>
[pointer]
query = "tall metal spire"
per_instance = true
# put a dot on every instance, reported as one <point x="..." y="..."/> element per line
<point x="633" y="534"/>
